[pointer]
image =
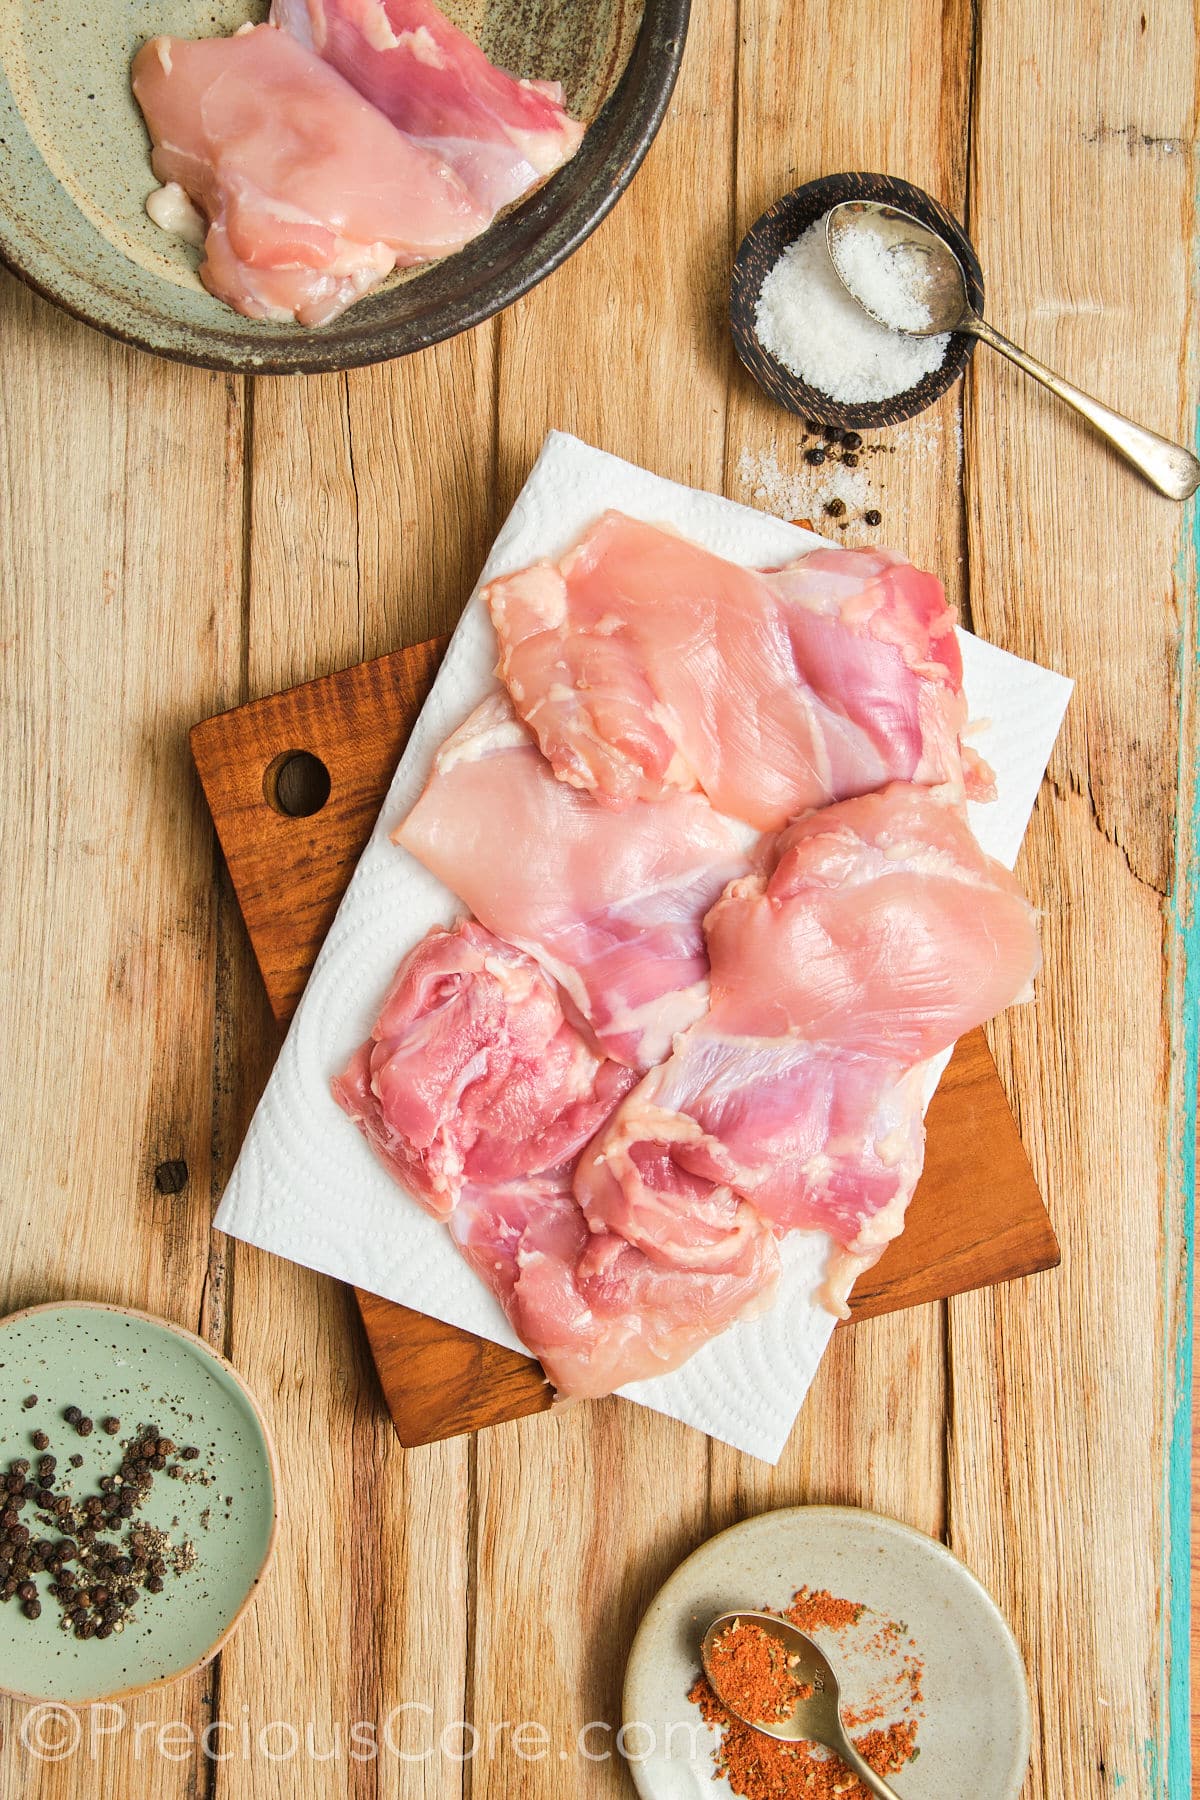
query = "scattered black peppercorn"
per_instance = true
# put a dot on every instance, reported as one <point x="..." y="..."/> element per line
<point x="29" y="1401"/>
<point x="815" y="456"/>
<point x="852" y="441"/>
<point x="75" y="1460"/>
<point x="96" y="1595"/>
<point x="189" y="1453"/>
<point x="872" y="517"/>
<point x="834" y="508"/>
<point x="850" y="462"/>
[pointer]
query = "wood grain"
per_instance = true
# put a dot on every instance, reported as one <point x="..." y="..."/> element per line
<point x="172" y="544"/>
<point x="976" y="1217"/>
<point x="1082" y="1459"/>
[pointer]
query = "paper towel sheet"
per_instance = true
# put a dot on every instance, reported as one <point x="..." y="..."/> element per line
<point x="307" y="1187"/>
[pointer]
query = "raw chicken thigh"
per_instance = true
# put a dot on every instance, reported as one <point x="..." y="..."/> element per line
<point x="499" y="134"/>
<point x="593" y="1309"/>
<point x="309" y="194"/>
<point x="646" y="665"/>
<point x="478" y="1093"/>
<point x="882" y="935"/>
<point x="609" y="903"/>
<point x="472" y="1073"/>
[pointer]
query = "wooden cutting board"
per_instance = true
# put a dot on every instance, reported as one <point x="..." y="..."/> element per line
<point x="332" y="744"/>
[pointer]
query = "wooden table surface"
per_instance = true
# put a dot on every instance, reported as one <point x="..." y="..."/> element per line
<point x="173" y="542"/>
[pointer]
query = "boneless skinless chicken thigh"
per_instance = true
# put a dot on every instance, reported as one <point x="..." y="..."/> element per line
<point x="644" y="664"/>
<point x="314" y="155"/>
<point x="499" y="134"/>
<point x="781" y="997"/>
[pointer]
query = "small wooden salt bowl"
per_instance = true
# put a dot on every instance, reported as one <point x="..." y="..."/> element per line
<point x="761" y="249"/>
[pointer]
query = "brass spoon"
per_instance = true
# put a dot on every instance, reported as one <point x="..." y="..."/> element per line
<point x="817" y="1719"/>
<point x="1173" y="470"/>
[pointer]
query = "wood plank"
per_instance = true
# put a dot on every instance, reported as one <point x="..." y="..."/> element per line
<point x="1073" y="560"/>
<point x="824" y="87"/>
<point x="350" y="539"/>
<point x="120" y="597"/>
<point x="580" y="1513"/>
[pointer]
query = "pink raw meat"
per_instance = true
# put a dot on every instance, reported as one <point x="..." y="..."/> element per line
<point x="501" y="135"/>
<point x="611" y="904"/>
<point x="644" y="664"/>
<point x="591" y="1307"/>
<point x="882" y="935"/>
<point x="472" y="1073"/>
<point x="310" y="195"/>
<point x="478" y="1092"/>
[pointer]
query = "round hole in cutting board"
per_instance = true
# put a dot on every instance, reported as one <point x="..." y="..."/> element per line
<point x="296" y="784"/>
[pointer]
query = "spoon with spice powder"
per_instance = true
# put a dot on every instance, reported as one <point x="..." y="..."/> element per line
<point x="775" y="1679"/>
<point x="906" y="277"/>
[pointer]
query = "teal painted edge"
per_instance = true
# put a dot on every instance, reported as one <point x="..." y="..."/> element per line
<point x="1183" y="953"/>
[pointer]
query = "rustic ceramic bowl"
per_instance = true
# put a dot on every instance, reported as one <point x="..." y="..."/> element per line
<point x="780" y="226"/>
<point x="75" y="172"/>
<point x="974" y="1736"/>
<point x="109" y="1360"/>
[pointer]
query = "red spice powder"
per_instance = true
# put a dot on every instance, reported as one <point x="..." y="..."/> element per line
<point x="751" y="1669"/>
<point x="758" y="1767"/>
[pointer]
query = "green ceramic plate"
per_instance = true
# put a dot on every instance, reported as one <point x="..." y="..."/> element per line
<point x="75" y="172"/>
<point x="109" y="1361"/>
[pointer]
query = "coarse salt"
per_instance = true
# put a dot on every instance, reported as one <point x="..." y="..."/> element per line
<point x="808" y="322"/>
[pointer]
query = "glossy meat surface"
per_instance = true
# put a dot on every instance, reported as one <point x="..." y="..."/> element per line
<point x="309" y="194"/>
<point x="611" y="904"/>
<point x="644" y="664"/>
<point x="594" y="1310"/>
<point x="478" y="1093"/>
<point x="472" y="1073"/>
<point x="500" y="134"/>
<point x="882" y="934"/>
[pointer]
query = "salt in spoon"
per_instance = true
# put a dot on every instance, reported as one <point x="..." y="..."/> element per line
<point x="818" y="1718"/>
<point x="1173" y="470"/>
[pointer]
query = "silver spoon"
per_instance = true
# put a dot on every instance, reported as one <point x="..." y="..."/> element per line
<point x="817" y="1719"/>
<point x="1173" y="470"/>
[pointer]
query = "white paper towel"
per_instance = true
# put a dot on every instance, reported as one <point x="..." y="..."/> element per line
<point x="306" y="1185"/>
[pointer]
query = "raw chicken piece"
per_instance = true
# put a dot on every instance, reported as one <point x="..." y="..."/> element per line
<point x="882" y="934"/>
<point x="594" y="1311"/>
<point x="310" y="194"/>
<point x="645" y="664"/>
<point x="478" y="1093"/>
<point x="611" y="904"/>
<point x="499" y="134"/>
<point x="472" y="1073"/>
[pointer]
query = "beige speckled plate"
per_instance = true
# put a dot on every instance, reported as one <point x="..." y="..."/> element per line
<point x="974" y="1738"/>
<point x="75" y="172"/>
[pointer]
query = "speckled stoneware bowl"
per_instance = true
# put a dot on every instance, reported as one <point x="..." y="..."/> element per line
<point x="975" y="1734"/>
<point x="761" y="249"/>
<point x="112" y="1362"/>
<point x="75" y="172"/>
